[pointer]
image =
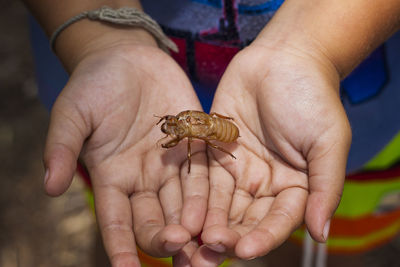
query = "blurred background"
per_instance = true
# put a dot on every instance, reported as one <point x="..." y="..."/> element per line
<point x="35" y="230"/>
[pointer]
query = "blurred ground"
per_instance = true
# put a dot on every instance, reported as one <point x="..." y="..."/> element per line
<point x="35" y="230"/>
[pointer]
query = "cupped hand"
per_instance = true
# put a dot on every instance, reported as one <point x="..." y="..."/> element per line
<point x="105" y="115"/>
<point x="291" y="153"/>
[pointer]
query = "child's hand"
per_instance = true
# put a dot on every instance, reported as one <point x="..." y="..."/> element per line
<point x="105" y="115"/>
<point x="291" y="153"/>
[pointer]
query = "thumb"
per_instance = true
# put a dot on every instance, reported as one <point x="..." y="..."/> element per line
<point x="327" y="168"/>
<point x="65" y="137"/>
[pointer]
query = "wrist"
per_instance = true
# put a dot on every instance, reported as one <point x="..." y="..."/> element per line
<point x="295" y="52"/>
<point x="86" y="37"/>
<point x="337" y="31"/>
<point x="290" y="37"/>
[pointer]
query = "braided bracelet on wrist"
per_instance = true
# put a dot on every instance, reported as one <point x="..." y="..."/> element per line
<point x="127" y="16"/>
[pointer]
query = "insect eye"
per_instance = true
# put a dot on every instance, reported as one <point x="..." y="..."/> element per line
<point x="164" y="128"/>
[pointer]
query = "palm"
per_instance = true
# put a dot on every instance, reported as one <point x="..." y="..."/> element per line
<point x="263" y="194"/>
<point x="136" y="183"/>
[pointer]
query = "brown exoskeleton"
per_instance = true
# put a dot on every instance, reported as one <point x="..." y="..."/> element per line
<point x="200" y="125"/>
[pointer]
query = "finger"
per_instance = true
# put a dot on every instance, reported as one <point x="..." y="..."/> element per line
<point x="205" y="257"/>
<point x="66" y="134"/>
<point x="113" y="210"/>
<point x="326" y="179"/>
<point x="216" y="234"/>
<point x="252" y="182"/>
<point x="153" y="236"/>
<point x="253" y="215"/>
<point x="285" y="215"/>
<point x="222" y="185"/>
<point x="221" y="239"/>
<point x="182" y="259"/>
<point x="195" y="187"/>
<point x="170" y="196"/>
<point x="240" y="203"/>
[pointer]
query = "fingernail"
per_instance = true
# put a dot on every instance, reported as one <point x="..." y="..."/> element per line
<point x="325" y="232"/>
<point x="46" y="176"/>
<point x="217" y="247"/>
<point x="172" y="247"/>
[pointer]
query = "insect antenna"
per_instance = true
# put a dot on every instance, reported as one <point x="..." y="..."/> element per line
<point x="161" y="118"/>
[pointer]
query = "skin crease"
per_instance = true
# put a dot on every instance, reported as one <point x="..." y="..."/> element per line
<point x="283" y="93"/>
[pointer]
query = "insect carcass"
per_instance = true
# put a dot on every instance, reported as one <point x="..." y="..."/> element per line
<point x="200" y="125"/>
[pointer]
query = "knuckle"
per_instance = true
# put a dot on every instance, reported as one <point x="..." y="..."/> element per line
<point x="116" y="226"/>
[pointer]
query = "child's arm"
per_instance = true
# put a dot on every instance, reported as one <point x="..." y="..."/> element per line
<point x="343" y="32"/>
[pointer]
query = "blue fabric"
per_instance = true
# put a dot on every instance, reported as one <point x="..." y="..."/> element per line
<point x="255" y="9"/>
<point x="50" y="75"/>
<point x="374" y="115"/>
<point x="368" y="79"/>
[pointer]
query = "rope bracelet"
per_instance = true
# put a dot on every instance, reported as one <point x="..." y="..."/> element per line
<point x="127" y="16"/>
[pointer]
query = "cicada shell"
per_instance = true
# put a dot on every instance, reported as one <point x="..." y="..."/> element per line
<point x="197" y="124"/>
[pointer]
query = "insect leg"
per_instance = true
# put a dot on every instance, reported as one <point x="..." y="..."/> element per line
<point x="219" y="148"/>
<point x="189" y="154"/>
<point x="158" y="142"/>
<point x="221" y="116"/>
<point x="171" y="143"/>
